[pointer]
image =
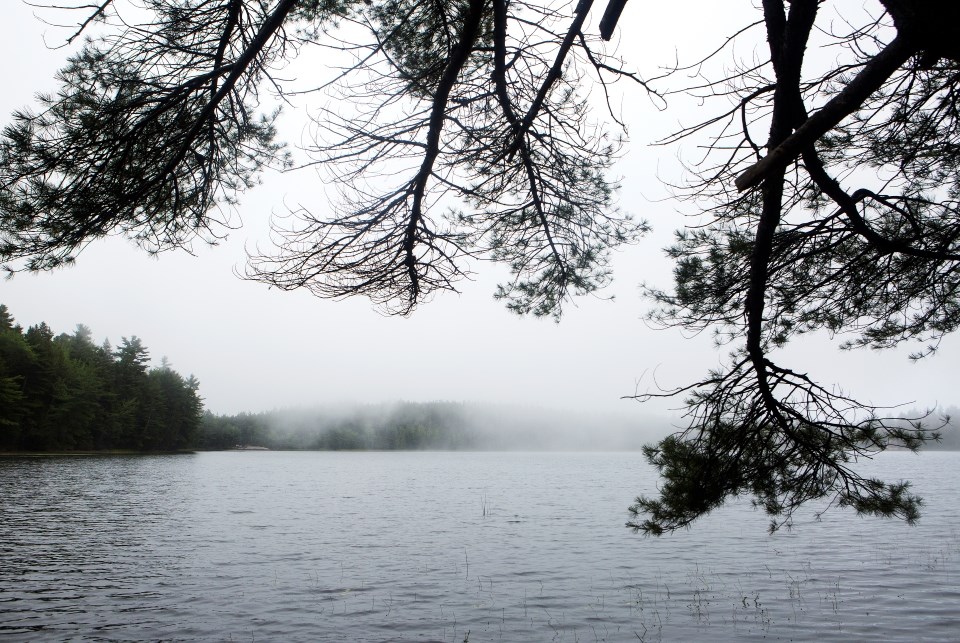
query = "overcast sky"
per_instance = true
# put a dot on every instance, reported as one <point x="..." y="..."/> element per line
<point x="254" y="349"/>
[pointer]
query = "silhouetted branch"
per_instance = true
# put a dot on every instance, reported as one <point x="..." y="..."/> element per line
<point x="611" y="15"/>
<point x="866" y="82"/>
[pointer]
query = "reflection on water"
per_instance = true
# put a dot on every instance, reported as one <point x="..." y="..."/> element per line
<point x="447" y="547"/>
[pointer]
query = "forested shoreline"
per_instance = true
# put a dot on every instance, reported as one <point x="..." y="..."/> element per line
<point x="66" y="393"/>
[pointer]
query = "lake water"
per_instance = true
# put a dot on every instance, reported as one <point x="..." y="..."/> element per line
<point x="271" y="546"/>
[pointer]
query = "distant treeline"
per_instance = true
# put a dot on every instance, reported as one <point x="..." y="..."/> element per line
<point x="65" y="393"/>
<point x="427" y="425"/>
<point x="947" y="423"/>
<point x="450" y="426"/>
<point x="409" y="425"/>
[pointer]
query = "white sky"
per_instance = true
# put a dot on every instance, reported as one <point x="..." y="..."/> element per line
<point x="255" y="349"/>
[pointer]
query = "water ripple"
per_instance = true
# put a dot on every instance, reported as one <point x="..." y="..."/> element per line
<point x="446" y="547"/>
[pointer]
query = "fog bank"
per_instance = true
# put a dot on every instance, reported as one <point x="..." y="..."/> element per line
<point x="433" y="425"/>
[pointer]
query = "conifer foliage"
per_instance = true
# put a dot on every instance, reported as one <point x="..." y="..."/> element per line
<point x="65" y="393"/>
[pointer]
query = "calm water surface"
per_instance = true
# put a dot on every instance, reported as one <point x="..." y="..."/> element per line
<point x="269" y="546"/>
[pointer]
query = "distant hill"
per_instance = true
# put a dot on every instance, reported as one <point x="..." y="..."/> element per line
<point x="431" y="425"/>
<point x="946" y="422"/>
<point x="950" y="433"/>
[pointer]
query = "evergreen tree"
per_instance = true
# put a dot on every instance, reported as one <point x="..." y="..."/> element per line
<point x="67" y="393"/>
<point x="16" y="359"/>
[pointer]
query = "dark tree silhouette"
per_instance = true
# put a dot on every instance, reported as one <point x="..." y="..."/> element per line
<point x="846" y="221"/>
<point x="462" y="131"/>
<point x="465" y="135"/>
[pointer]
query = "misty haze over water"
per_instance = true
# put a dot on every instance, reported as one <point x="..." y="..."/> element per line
<point x="434" y="425"/>
<point x="463" y="426"/>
